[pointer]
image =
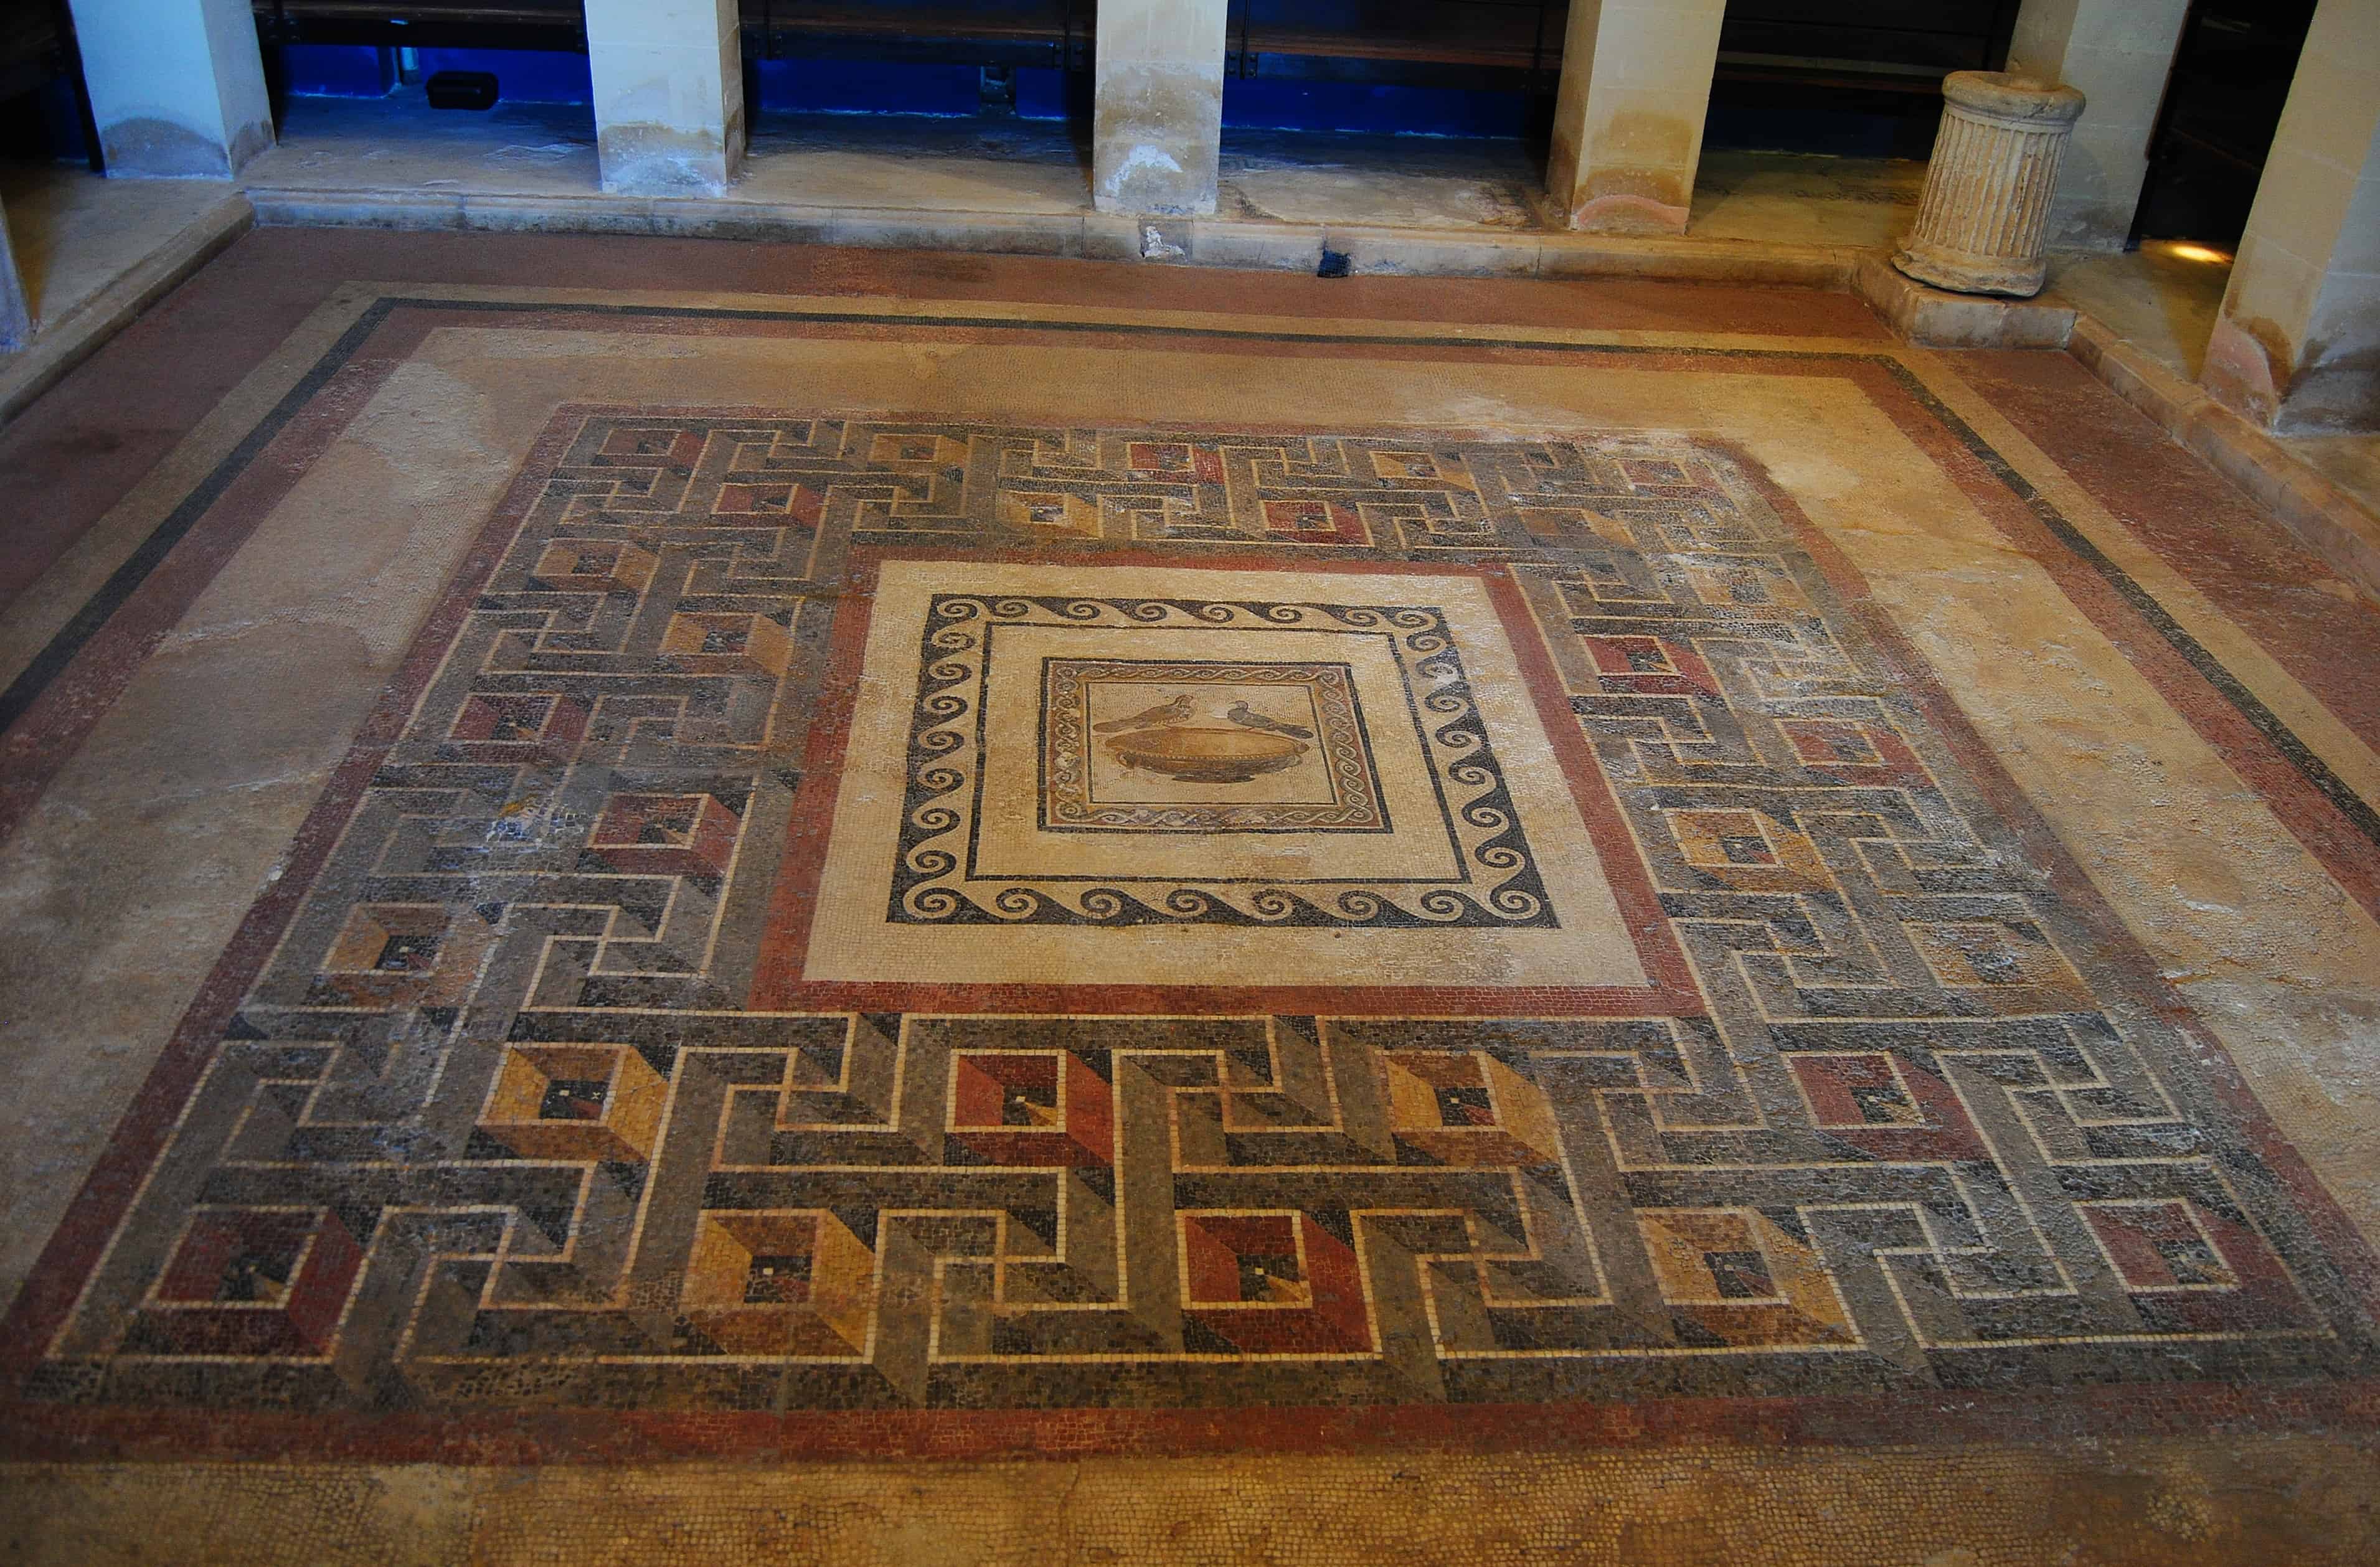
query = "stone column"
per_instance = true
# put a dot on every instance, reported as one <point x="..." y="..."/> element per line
<point x="177" y="86"/>
<point x="15" y="307"/>
<point x="1628" y="120"/>
<point x="2117" y="53"/>
<point x="1157" y="112"/>
<point x="2296" y="345"/>
<point x="1986" y="207"/>
<point x="669" y="94"/>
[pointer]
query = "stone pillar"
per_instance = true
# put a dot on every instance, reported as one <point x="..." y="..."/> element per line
<point x="1157" y="114"/>
<point x="16" y="306"/>
<point x="2117" y="53"/>
<point x="669" y="94"/>
<point x="1986" y="208"/>
<point x="1628" y="120"/>
<point x="177" y="86"/>
<point x="2296" y="345"/>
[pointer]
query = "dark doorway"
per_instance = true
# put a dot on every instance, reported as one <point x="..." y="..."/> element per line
<point x="2231" y="75"/>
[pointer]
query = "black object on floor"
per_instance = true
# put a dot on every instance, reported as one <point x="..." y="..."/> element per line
<point x="463" y="90"/>
<point x="1334" y="263"/>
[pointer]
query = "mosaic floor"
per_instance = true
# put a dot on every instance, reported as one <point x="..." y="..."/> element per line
<point x="669" y="882"/>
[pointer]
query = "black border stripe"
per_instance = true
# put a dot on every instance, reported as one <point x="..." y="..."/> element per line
<point x="70" y="639"/>
<point x="127" y="578"/>
<point x="2251" y="707"/>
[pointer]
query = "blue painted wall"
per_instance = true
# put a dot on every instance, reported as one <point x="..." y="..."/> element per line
<point x="865" y="87"/>
<point x="524" y="75"/>
<point x="887" y="87"/>
<point x="332" y="71"/>
<point x="1376" y="108"/>
<point x="1052" y="94"/>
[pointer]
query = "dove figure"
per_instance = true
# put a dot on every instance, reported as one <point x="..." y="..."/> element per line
<point x="1148" y="718"/>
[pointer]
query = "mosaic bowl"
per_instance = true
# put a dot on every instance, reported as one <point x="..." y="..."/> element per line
<point x="1190" y="755"/>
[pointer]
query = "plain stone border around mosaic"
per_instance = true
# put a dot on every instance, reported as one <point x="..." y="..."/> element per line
<point x="128" y="541"/>
<point x="34" y="370"/>
<point x="2226" y="1503"/>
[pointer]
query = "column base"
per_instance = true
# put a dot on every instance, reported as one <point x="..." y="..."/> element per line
<point x="149" y="148"/>
<point x="1154" y="195"/>
<point x="1962" y="272"/>
<point x="1627" y="214"/>
<point x="657" y="160"/>
<point x="2249" y="370"/>
<point x="1921" y="313"/>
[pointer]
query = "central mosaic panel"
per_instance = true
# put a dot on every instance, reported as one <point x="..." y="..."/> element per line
<point x="1221" y="747"/>
<point x="1167" y="754"/>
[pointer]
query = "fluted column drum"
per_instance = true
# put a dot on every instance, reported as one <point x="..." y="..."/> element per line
<point x="1986" y="204"/>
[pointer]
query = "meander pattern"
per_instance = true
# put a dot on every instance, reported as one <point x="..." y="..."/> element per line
<point x="497" y="1125"/>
